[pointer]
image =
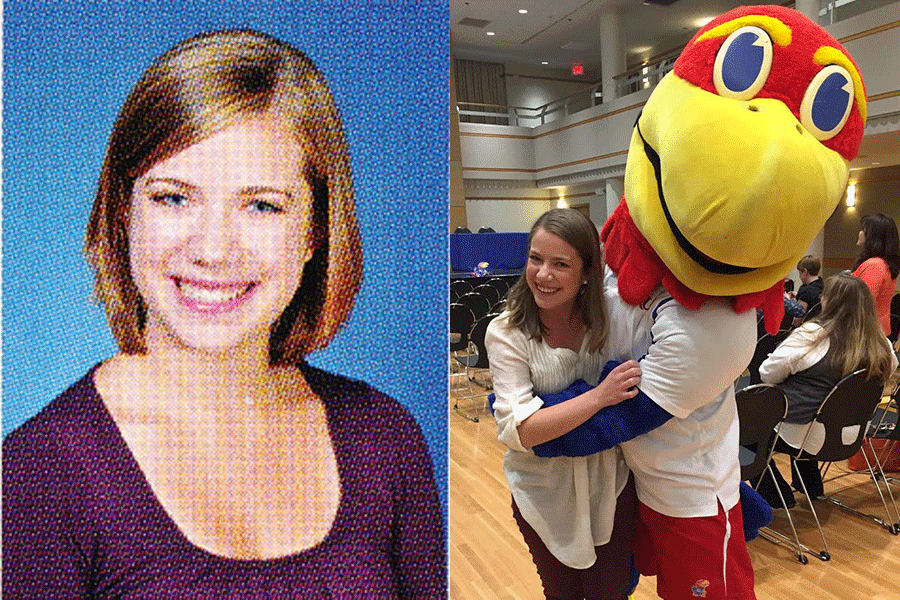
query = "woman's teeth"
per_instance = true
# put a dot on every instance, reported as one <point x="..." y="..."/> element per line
<point x="217" y="295"/>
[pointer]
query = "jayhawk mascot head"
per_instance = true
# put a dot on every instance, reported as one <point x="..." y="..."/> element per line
<point x="738" y="158"/>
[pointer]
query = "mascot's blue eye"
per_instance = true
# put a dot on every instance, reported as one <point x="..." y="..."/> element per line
<point x="827" y="102"/>
<point x="743" y="63"/>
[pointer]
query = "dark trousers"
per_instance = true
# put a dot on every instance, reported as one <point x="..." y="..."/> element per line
<point x="607" y="578"/>
<point x="807" y="470"/>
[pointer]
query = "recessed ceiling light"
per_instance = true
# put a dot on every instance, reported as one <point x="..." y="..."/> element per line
<point x="544" y="62"/>
<point x="523" y="11"/>
<point x="490" y="33"/>
<point x="876" y="163"/>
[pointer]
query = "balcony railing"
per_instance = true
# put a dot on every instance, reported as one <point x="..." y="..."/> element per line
<point x="629" y="82"/>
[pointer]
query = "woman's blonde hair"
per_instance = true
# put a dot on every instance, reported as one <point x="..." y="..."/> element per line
<point x="579" y="232"/>
<point x="850" y="321"/>
<point x="200" y="87"/>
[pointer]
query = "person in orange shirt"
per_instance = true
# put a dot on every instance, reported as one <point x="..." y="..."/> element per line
<point x="878" y="262"/>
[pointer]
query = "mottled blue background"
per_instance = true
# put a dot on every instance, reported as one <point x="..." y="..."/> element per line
<point x="68" y="67"/>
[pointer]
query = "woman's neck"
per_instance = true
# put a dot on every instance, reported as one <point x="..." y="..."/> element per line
<point x="180" y="378"/>
<point x="559" y="318"/>
<point x="563" y="328"/>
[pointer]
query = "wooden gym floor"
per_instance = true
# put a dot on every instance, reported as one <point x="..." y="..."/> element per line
<point x="489" y="560"/>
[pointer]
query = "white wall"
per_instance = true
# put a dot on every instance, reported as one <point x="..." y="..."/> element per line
<point x="532" y="88"/>
<point x="573" y="145"/>
<point x="877" y="55"/>
<point x="506" y="215"/>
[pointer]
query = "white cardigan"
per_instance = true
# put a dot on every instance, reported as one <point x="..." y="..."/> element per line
<point x="569" y="501"/>
<point x="803" y="348"/>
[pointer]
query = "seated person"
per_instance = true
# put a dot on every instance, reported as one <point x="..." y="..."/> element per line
<point x="811" y="284"/>
<point x="846" y="336"/>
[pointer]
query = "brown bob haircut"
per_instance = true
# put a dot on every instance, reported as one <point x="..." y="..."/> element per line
<point x="200" y="87"/>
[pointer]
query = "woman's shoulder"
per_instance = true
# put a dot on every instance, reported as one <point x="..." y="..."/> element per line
<point x="500" y="328"/>
<point x="59" y="447"/>
<point x="72" y="414"/>
<point x="345" y="397"/>
<point x="810" y="332"/>
<point x="873" y="263"/>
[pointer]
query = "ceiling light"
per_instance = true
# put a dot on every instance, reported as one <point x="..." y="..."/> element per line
<point x="561" y="203"/>
<point x="490" y="33"/>
<point x="523" y="11"/>
<point x="544" y="62"/>
<point x="876" y="163"/>
<point x="851" y="195"/>
<point x="704" y="21"/>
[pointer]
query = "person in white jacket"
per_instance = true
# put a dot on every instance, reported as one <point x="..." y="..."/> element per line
<point x="846" y="336"/>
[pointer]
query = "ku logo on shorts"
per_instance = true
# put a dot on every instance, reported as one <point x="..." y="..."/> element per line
<point x="699" y="588"/>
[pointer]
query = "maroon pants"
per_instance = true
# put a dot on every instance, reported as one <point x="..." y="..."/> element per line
<point x="606" y="579"/>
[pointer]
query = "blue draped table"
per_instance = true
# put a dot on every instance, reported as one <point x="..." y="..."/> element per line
<point x="502" y="251"/>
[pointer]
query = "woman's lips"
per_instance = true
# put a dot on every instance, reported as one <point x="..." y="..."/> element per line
<point x="212" y="297"/>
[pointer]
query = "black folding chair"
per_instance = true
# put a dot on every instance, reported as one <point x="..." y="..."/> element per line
<point x="461" y="321"/>
<point x="761" y="409"/>
<point x="847" y="410"/>
<point x="478" y="304"/>
<point x="489" y="292"/>
<point x="460" y="286"/>
<point x="475" y="361"/>
<point x="764" y="347"/>
<point x="500" y="284"/>
<point x="884" y="427"/>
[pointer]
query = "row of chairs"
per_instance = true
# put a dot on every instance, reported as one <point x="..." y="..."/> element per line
<point x="850" y="407"/>
<point x="480" y="230"/>
<point x="473" y="358"/>
<point x="470" y="314"/>
<point x="493" y="289"/>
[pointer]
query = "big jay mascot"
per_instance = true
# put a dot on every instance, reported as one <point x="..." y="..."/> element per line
<point x="736" y="161"/>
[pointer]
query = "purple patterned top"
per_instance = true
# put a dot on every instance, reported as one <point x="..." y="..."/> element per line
<point x="81" y="521"/>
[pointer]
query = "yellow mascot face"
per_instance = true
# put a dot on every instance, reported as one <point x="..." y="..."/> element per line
<point x="741" y="153"/>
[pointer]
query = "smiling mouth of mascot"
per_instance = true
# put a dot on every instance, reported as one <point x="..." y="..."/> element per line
<point x="741" y="153"/>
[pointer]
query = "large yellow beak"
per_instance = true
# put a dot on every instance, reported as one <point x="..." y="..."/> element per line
<point x="746" y="187"/>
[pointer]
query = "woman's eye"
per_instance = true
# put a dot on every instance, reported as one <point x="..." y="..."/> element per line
<point x="743" y="63"/>
<point x="827" y="102"/>
<point x="169" y="199"/>
<point x="265" y="207"/>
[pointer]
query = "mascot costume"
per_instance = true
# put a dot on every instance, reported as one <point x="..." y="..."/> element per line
<point x="738" y="158"/>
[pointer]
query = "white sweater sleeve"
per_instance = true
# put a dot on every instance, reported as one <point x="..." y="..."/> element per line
<point x="511" y="377"/>
<point x="800" y="350"/>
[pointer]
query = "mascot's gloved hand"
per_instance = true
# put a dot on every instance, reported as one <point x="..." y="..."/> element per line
<point x="756" y="512"/>
<point x="606" y="428"/>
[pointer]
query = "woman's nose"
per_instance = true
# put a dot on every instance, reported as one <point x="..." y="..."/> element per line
<point x="215" y="235"/>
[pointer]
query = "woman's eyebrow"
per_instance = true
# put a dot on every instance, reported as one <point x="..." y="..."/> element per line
<point x="265" y="189"/>
<point x="168" y="180"/>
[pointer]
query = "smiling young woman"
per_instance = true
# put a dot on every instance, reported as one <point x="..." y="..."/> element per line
<point x="207" y="458"/>
<point x="576" y="514"/>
